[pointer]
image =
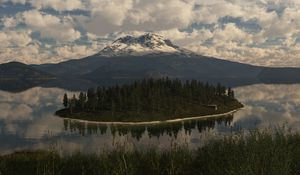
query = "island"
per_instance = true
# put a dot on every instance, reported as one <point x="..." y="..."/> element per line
<point x="150" y="100"/>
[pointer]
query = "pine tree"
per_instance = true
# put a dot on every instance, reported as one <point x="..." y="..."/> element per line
<point x="171" y="97"/>
<point x="65" y="101"/>
<point x="92" y="99"/>
<point x="72" y="103"/>
<point x="230" y="93"/>
<point x="82" y="100"/>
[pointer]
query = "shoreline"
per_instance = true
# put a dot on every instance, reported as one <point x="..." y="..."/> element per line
<point x="155" y="122"/>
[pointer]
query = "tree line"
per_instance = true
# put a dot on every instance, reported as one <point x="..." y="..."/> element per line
<point x="149" y="95"/>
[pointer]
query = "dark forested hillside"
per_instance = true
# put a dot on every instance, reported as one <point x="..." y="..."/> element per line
<point x="17" y="71"/>
<point x="150" y="100"/>
<point x="15" y="77"/>
<point x="97" y="68"/>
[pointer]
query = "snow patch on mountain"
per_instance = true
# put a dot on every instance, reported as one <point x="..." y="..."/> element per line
<point x="143" y="45"/>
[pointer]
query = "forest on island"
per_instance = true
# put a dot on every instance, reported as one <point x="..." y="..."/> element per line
<point x="162" y="97"/>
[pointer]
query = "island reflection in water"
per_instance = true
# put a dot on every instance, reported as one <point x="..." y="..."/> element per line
<point x="153" y="130"/>
<point x="27" y="122"/>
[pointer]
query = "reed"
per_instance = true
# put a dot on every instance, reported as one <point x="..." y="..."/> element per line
<point x="258" y="152"/>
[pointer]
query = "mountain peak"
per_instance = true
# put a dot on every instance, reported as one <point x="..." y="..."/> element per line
<point x="146" y="44"/>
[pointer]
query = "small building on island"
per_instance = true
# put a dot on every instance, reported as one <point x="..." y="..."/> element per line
<point x="212" y="106"/>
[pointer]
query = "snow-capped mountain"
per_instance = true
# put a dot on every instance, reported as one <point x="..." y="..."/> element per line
<point x="149" y="55"/>
<point x="146" y="44"/>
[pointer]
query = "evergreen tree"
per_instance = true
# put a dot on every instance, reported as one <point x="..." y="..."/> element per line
<point x="230" y="93"/>
<point x="82" y="100"/>
<point x="72" y="103"/>
<point x="91" y="99"/>
<point x="160" y="96"/>
<point x="65" y="100"/>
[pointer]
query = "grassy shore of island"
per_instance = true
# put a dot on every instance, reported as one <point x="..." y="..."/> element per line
<point x="260" y="152"/>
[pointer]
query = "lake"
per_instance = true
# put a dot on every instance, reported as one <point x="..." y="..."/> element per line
<point x="27" y="122"/>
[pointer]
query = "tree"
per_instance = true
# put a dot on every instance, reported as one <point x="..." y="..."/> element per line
<point x="230" y="93"/>
<point x="166" y="96"/>
<point x="72" y="103"/>
<point x="82" y="100"/>
<point x="92" y="99"/>
<point x="65" y="101"/>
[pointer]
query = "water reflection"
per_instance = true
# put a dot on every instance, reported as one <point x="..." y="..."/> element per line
<point x="137" y="131"/>
<point x="269" y="105"/>
<point x="27" y="121"/>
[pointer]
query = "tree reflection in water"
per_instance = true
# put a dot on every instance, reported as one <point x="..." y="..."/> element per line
<point x="137" y="131"/>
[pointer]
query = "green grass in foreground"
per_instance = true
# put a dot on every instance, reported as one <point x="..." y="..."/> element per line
<point x="257" y="153"/>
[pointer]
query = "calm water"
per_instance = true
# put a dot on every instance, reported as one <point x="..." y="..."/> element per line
<point x="27" y="122"/>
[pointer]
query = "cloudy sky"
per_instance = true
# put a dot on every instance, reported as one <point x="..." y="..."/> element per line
<point x="260" y="32"/>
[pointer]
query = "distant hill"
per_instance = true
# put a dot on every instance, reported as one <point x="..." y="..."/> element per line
<point x="15" y="77"/>
<point x="20" y="71"/>
<point x="170" y="66"/>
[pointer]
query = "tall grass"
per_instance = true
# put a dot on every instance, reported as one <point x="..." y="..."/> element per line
<point x="259" y="152"/>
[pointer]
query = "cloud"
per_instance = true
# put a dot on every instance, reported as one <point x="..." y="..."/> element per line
<point x="231" y="33"/>
<point x="15" y="38"/>
<point x="9" y="22"/>
<point x="59" y="5"/>
<point x="261" y="32"/>
<point x="36" y="19"/>
<point x="117" y="15"/>
<point x="50" y="26"/>
<point x="14" y="1"/>
<point x="113" y="12"/>
<point x="30" y="54"/>
<point x="287" y="25"/>
<point x="77" y="51"/>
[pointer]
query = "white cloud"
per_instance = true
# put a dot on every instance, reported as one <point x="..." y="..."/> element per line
<point x="14" y="1"/>
<point x="274" y="42"/>
<point x="185" y="38"/>
<point x="76" y="51"/>
<point x="231" y="33"/>
<point x="113" y="12"/>
<point x="30" y="54"/>
<point x="51" y="26"/>
<point x="36" y="19"/>
<point x="59" y="5"/>
<point x="36" y="54"/>
<point x="9" y="22"/>
<point x="15" y="38"/>
<point x="128" y="15"/>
